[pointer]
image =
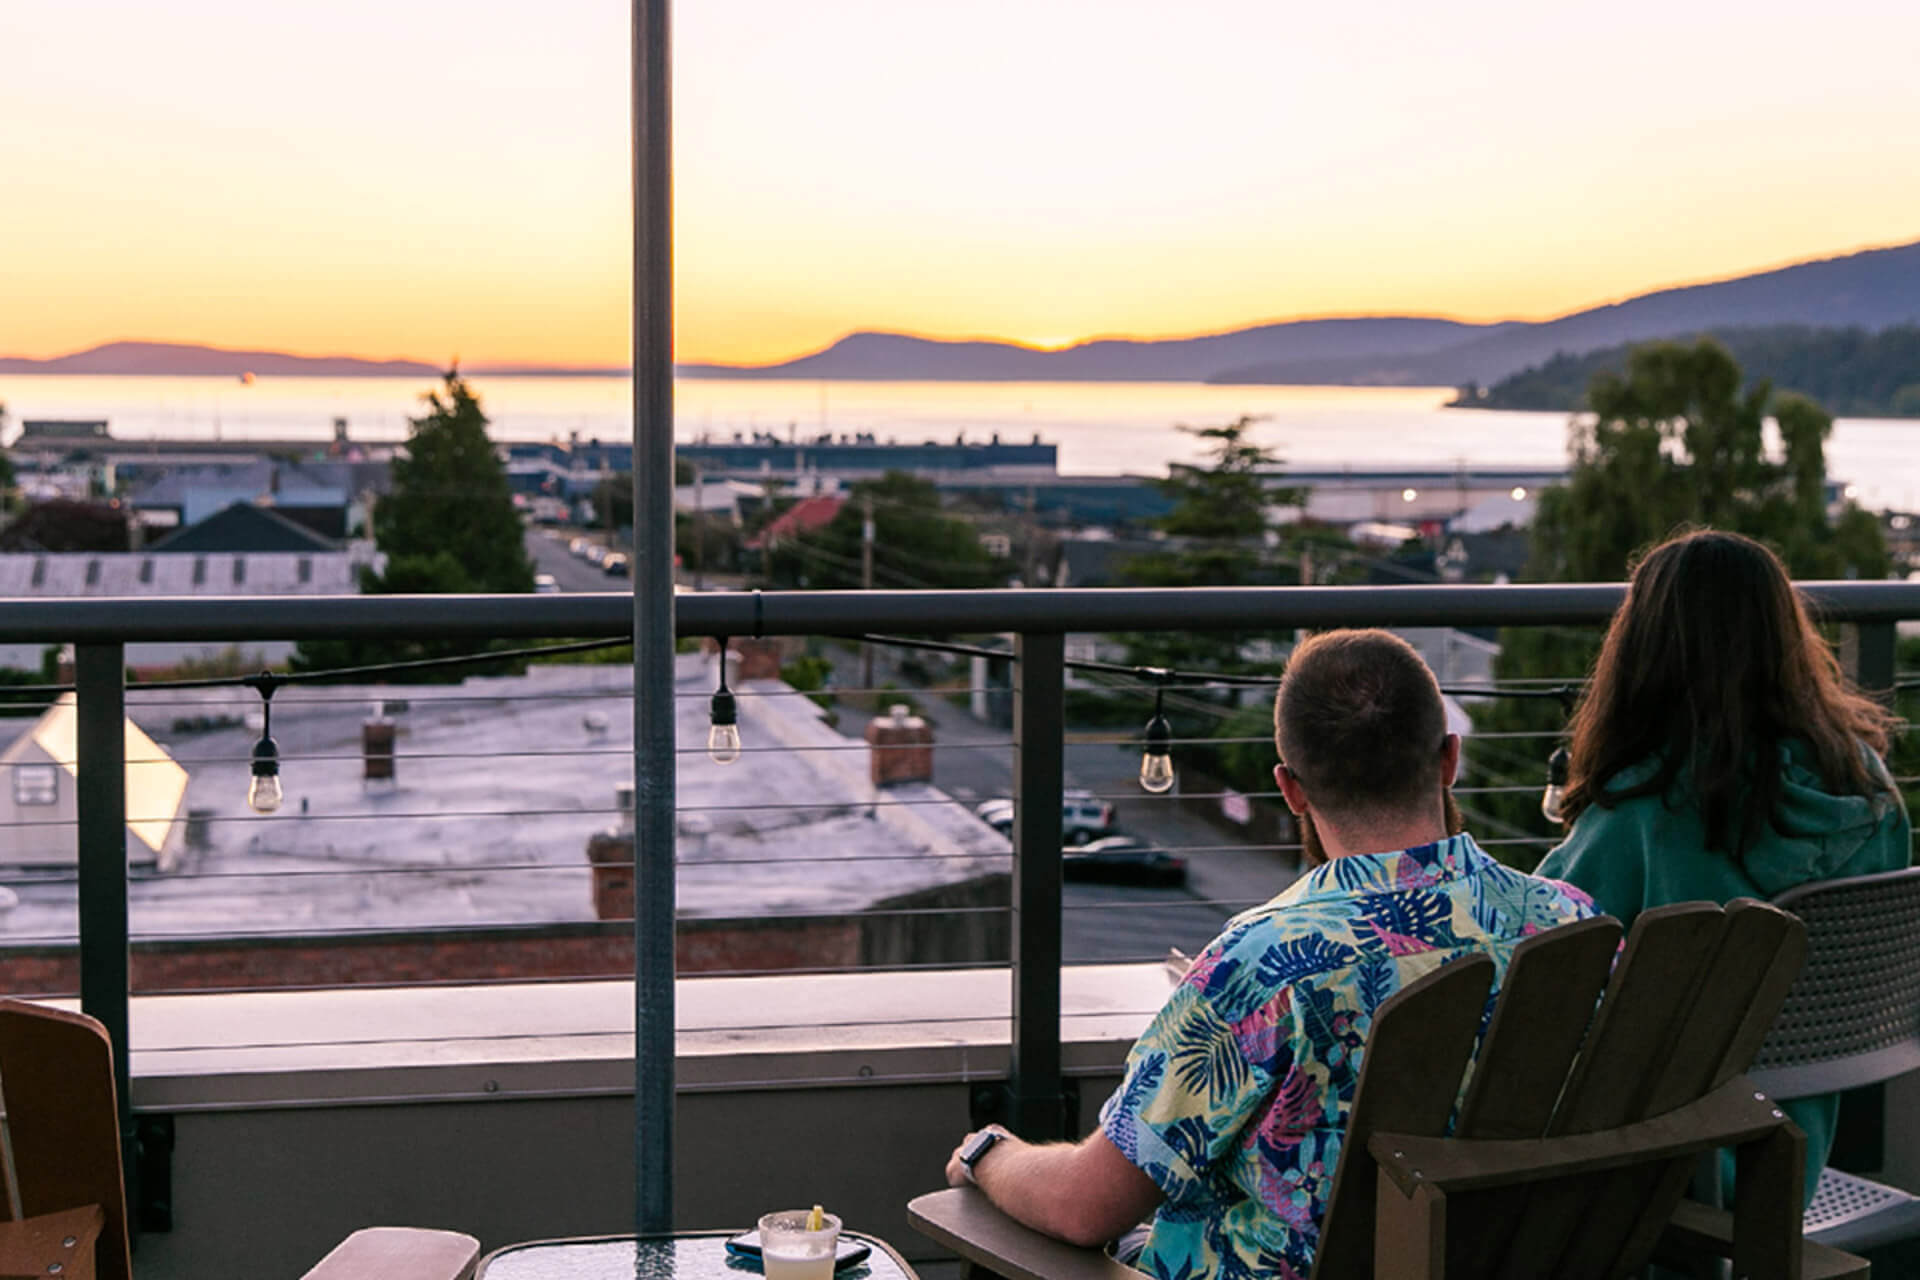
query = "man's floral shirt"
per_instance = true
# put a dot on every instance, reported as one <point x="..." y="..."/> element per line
<point x="1236" y="1098"/>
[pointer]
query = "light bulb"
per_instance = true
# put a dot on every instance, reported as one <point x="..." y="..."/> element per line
<point x="1552" y="800"/>
<point x="723" y="743"/>
<point x="1156" y="765"/>
<point x="723" y="739"/>
<point x="263" y="794"/>
<point x="1156" y="772"/>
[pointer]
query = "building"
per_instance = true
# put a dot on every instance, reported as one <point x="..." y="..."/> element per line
<point x="793" y="857"/>
<point x="39" y="803"/>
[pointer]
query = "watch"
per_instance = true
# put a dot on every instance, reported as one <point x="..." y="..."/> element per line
<point x="977" y="1147"/>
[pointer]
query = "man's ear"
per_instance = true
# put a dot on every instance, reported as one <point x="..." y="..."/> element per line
<point x="1290" y="789"/>
<point x="1449" y="759"/>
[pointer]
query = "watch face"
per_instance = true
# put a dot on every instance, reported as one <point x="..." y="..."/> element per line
<point x="981" y="1144"/>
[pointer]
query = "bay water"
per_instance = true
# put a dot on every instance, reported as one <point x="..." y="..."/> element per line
<point x="1101" y="428"/>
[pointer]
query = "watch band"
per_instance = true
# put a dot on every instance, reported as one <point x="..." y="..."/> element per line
<point x="986" y="1140"/>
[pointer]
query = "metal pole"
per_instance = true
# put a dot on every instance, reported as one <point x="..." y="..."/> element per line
<point x="1039" y="698"/>
<point x="653" y="703"/>
<point x="866" y="584"/>
<point x="100" y="786"/>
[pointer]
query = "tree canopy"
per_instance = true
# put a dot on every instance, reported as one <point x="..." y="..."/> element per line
<point x="1674" y="441"/>
<point x="447" y="526"/>
<point x="916" y="544"/>
<point x="450" y="506"/>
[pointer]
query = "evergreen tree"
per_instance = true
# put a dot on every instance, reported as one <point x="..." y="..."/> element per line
<point x="1675" y="441"/>
<point x="1218" y="533"/>
<point x="450" y="495"/>
<point x="447" y="526"/>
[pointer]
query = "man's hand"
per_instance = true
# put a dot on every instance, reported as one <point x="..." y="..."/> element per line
<point x="957" y="1174"/>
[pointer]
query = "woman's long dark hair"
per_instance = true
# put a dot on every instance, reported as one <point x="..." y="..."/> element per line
<point x="1708" y="666"/>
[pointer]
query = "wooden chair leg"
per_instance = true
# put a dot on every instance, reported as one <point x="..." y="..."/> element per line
<point x="1767" y="1184"/>
<point x="1409" y="1231"/>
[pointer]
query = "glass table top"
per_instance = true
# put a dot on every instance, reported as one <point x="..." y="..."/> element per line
<point x="690" y="1256"/>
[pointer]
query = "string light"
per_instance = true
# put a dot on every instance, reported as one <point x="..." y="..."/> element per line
<point x="723" y="738"/>
<point x="1156" y="765"/>
<point x="264" y="793"/>
<point x="1553" y="799"/>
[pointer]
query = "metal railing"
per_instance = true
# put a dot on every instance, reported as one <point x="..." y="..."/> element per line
<point x="1039" y="620"/>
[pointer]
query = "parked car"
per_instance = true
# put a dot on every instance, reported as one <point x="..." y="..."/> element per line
<point x="595" y="553"/>
<point x="578" y="547"/>
<point x="1082" y="816"/>
<point x="615" y="565"/>
<point x="545" y="584"/>
<point x="1123" y="858"/>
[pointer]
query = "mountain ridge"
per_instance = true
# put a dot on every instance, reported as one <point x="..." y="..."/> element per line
<point x="1872" y="289"/>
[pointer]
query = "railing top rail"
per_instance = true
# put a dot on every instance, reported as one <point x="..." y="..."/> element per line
<point x="745" y="613"/>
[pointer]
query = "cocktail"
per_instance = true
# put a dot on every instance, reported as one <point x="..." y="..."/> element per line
<point x="799" y="1244"/>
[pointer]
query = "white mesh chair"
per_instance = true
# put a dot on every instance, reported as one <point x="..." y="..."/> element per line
<point x="1852" y="1019"/>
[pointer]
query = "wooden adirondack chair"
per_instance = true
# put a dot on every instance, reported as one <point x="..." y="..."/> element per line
<point x="1579" y="1130"/>
<point x="64" y="1211"/>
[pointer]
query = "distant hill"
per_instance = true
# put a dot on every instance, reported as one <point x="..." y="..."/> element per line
<point x="188" y="361"/>
<point x="1874" y="290"/>
<point x="1852" y="372"/>
<point x="901" y="357"/>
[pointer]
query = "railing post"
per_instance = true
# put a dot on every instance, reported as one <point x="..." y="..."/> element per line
<point x="1867" y="651"/>
<point x="653" y="624"/>
<point x="1037" y="1109"/>
<point x="100" y="788"/>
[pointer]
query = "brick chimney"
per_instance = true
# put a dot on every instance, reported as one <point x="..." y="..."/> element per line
<point x="611" y="855"/>
<point x="376" y="746"/>
<point x="902" y="747"/>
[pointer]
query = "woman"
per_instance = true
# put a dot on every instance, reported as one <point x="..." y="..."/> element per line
<point x="1720" y="753"/>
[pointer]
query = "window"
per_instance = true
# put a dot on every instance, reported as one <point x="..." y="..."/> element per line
<point x="199" y="571"/>
<point x="36" y="783"/>
<point x="39" y="571"/>
<point x="93" y="573"/>
<point x="239" y="570"/>
<point x="146" y="570"/>
<point x="306" y="569"/>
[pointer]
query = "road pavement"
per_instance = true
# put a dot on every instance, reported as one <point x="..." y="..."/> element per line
<point x="550" y="555"/>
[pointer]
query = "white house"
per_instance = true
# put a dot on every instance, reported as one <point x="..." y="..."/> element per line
<point x="39" y="805"/>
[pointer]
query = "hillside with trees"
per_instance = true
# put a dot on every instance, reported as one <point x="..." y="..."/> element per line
<point x="1851" y="372"/>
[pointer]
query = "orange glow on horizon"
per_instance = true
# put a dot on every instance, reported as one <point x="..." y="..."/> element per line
<point x="440" y="179"/>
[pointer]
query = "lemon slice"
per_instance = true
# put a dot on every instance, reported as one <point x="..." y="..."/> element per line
<point x="817" y="1220"/>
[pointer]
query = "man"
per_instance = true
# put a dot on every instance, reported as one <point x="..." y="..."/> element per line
<point x="1227" y="1128"/>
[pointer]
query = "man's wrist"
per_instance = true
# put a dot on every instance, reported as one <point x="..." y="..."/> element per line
<point x="980" y="1148"/>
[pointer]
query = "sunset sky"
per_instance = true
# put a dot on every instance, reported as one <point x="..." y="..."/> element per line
<point x="427" y="179"/>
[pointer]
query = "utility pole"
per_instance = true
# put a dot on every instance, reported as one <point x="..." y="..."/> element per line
<point x="699" y="529"/>
<point x="866" y="583"/>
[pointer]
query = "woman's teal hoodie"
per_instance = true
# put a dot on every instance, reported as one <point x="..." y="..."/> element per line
<point x="1651" y="850"/>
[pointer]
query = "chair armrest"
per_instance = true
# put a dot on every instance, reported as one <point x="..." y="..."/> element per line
<point x="1730" y="1116"/>
<point x="1700" y="1231"/>
<point x="400" y="1253"/>
<point x="965" y="1221"/>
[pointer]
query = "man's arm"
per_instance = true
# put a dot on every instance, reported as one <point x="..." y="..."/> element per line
<point x="1083" y="1192"/>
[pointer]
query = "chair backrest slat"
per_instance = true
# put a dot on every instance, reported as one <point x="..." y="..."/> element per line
<point x="1417" y="1048"/>
<point x="1617" y="1070"/>
<point x="58" y="1070"/>
<point x="1739" y="988"/>
<point x="1552" y="988"/>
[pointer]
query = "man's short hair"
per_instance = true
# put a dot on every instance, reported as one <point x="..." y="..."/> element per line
<point x="1359" y="721"/>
